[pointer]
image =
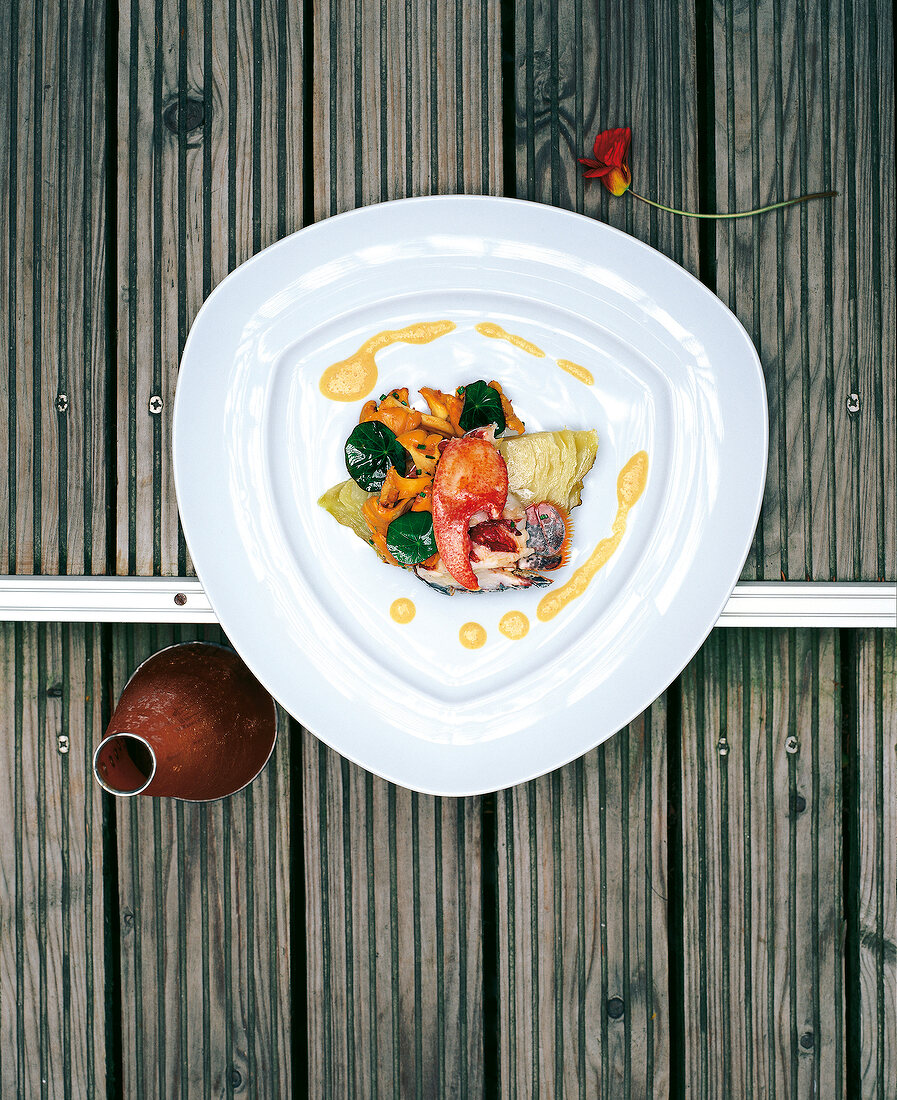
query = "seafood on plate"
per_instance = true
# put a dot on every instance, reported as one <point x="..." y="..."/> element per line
<point x="450" y="496"/>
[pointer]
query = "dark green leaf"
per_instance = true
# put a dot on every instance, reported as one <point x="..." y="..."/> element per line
<point x="370" y="451"/>
<point x="410" y="538"/>
<point x="482" y="405"/>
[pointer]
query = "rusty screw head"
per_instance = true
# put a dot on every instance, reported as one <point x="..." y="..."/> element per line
<point x="180" y="599"/>
<point x="62" y="402"/>
<point x="155" y="404"/>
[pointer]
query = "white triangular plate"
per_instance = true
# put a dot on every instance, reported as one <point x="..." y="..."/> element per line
<point x="307" y="604"/>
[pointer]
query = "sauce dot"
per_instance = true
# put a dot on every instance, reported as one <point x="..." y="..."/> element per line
<point x="514" y="625"/>
<point x="403" y="610"/>
<point x="472" y="636"/>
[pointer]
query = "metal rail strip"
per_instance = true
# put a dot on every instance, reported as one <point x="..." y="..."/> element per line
<point x="182" y="600"/>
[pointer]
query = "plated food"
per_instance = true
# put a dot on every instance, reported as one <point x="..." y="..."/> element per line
<point x="451" y="495"/>
<point x="674" y="388"/>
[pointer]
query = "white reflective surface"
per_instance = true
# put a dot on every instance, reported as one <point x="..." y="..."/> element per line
<point x="306" y="603"/>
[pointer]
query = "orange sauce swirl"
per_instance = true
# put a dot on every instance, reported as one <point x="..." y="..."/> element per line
<point x="496" y="332"/>
<point x="630" y="486"/>
<point x="353" y="378"/>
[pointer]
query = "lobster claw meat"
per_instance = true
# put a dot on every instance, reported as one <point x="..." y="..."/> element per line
<point x="471" y="477"/>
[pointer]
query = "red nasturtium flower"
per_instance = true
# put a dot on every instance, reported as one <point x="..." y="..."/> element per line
<point x="610" y="166"/>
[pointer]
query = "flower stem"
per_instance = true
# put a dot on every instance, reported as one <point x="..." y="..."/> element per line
<point x="740" y="214"/>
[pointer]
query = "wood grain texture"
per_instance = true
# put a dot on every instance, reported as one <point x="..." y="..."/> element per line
<point x="407" y="100"/>
<point x="802" y="102"/>
<point x="204" y="896"/>
<point x="52" y="255"/>
<point x="393" y="936"/>
<point x="582" y="68"/>
<point x="196" y="196"/>
<point x="872" y="296"/>
<point x="583" y="980"/>
<point x="876" y="696"/>
<point x="204" y="890"/>
<point x="584" y="932"/>
<point x="52" y="968"/>
<point x="762" y="868"/>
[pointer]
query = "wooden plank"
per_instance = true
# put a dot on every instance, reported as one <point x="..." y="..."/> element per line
<point x="210" y="144"/>
<point x="803" y="101"/>
<point x="877" y="868"/>
<point x="52" y="970"/>
<point x="52" y="256"/>
<point x="583" y="983"/>
<point x="407" y="102"/>
<point x="569" y="964"/>
<point x="204" y="898"/>
<point x="393" y="935"/>
<point x="872" y="297"/>
<point x="580" y="70"/>
<point x="762" y="869"/>
<point x="210" y="155"/>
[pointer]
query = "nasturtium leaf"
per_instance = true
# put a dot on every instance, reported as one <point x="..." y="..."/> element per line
<point x="482" y="405"/>
<point x="410" y="538"/>
<point x="371" y="450"/>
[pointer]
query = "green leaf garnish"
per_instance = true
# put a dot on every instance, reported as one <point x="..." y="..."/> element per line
<point x="482" y="405"/>
<point x="371" y="450"/>
<point x="410" y="538"/>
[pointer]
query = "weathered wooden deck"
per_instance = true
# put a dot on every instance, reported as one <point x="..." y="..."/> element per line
<point x="704" y="906"/>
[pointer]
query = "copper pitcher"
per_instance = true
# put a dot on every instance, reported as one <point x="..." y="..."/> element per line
<point x="192" y="723"/>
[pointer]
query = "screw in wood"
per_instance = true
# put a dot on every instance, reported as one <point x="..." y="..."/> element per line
<point x="62" y="402"/>
<point x="807" y="1040"/>
<point x="155" y="404"/>
<point x="792" y="745"/>
<point x="180" y="599"/>
<point x="615" y="1008"/>
<point x="62" y="744"/>
<point x="722" y="747"/>
<point x="853" y="403"/>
